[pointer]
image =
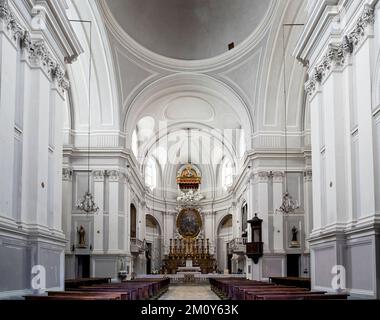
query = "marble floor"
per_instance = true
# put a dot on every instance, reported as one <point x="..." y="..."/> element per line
<point x="191" y="292"/>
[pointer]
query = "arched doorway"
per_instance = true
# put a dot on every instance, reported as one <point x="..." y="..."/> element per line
<point x="133" y="226"/>
<point x="224" y="236"/>
<point x="153" y="240"/>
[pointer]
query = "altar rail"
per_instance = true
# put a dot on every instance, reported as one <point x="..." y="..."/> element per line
<point x="199" y="278"/>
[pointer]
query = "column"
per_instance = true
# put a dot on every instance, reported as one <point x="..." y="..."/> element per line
<point x="308" y="205"/>
<point x="113" y="215"/>
<point x="278" y="218"/>
<point x="36" y="99"/>
<point x="336" y="104"/>
<point x="262" y="180"/>
<point x="67" y="203"/>
<point x="8" y="81"/>
<point x="99" y="231"/>
<point x="363" y="102"/>
<point x="316" y="104"/>
<point x="141" y="220"/>
<point x="127" y="214"/>
<point x="250" y="215"/>
<point x="58" y="102"/>
<point x="168" y="231"/>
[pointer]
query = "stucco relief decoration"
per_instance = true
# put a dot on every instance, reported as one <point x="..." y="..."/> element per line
<point x="37" y="51"/>
<point x="11" y="23"/>
<point x="338" y="53"/>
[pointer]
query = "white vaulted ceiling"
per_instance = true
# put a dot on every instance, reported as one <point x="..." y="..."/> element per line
<point x="191" y="29"/>
<point x="168" y="61"/>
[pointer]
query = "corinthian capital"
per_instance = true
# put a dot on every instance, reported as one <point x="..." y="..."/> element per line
<point x="113" y="175"/>
<point x="67" y="174"/>
<point x="98" y="175"/>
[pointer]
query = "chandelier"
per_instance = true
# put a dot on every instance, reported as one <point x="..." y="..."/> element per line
<point x="190" y="198"/>
<point x="87" y="203"/>
<point x="288" y="205"/>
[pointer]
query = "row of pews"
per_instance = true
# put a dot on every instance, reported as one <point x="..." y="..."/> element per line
<point x="243" y="289"/>
<point x="103" y="289"/>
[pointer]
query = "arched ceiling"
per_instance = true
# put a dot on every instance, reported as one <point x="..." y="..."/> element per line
<point x="191" y="29"/>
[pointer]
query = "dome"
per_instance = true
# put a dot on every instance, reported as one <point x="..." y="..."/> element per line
<point x="191" y="29"/>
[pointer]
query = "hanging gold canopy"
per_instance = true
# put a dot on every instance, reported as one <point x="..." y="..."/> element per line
<point x="188" y="178"/>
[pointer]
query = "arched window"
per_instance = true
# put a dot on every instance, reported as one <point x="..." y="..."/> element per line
<point x="135" y="147"/>
<point x="150" y="174"/>
<point x="227" y="174"/>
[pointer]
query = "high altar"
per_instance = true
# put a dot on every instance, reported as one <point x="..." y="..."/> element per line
<point x="189" y="252"/>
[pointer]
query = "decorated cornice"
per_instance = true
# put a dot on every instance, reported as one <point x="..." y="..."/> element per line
<point x="12" y="26"/>
<point x="338" y="53"/>
<point x="37" y="51"/>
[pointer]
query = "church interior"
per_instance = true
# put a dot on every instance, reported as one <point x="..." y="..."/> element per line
<point x="167" y="149"/>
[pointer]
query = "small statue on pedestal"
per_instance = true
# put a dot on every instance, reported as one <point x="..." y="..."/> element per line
<point x="81" y="237"/>
<point x="295" y="243"/>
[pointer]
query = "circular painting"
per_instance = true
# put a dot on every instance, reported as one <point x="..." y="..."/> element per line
<point x="189" y="223"/>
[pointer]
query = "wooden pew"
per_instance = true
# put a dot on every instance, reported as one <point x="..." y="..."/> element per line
<point x="244" y="291"/>
<point x="75" y="283"/>
<point x="253" y="295"/>
<point x="74" y="297"/>
<point x="307" y="296"/>
<point x="292" y="281"/>
<point x="118" y="295"/>
<point x="131" y="293"/>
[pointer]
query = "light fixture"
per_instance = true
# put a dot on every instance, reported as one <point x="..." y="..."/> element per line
<point x="87" y="202"/>
<point x="288" y="204"/>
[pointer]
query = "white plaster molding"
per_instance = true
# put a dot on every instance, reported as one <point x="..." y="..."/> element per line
<point x="338" y="53"/>
<point x="150" y="58"/>
<point x="67" y="174"/>
<point x="37" y="50"/>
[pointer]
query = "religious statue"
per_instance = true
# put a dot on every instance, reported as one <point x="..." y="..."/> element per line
<point x="295" y="243"/>
<point x="81" y="237"/>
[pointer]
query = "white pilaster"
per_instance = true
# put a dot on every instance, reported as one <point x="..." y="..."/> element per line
<point x="99" y="231"/>
<point x="142" y="220"/>
<point x="316" y="105"/>
<point x="113" y="206"/>
<point x="363" y="102"/>
<point x="278" y="219"/>
<point x="36" y="99"/>
<point x="127" y="219"/>
<point x="336" y="130"/>
<point x="67" y="204"/>
<point x="308" y="205"/>
<point x="58" y="103"/>
<point x="262" y="200"/>
<point x="8" y="81"/>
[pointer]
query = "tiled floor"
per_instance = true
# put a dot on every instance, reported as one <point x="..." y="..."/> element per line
<point x="182" y="292"/>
